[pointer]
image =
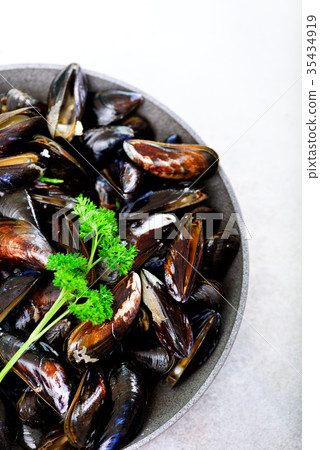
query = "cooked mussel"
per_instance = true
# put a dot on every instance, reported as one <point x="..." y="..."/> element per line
<point x="156" y="360"/>
<point x="184" y="259"/>
<point x="17" y="204"/>
<point x="66" y="101"/>
<point x="147" y="234"/>
<point x="22" y="244"/>
<point x="16" y="127"/>
<point x="209" y="294"/>
<point x="169" y="322"/>
<point x="165" y="200"/>
<point x="33" y="411"/>
<point x="19" y="171"/>
<point x="206" y="328"/>
<point x="100" y="143"/>
<point x="174" y="161"/>
<point x="129" y="399"/>
<point x="17" y="99"/>
<point x="40" y="368"/>
<point x="110" y="106"/>
<point x="220" y="251"/>
<point x="88" y="406"/>
<point x="87" y="343"/>
<point x="130" y="176"/>
<point x="14" y="290"/>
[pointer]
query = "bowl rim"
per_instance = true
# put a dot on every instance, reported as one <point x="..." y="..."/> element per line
<point x="243" y="247"/>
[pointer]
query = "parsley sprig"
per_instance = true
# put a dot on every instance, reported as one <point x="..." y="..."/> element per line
<point x="71" y="270"/>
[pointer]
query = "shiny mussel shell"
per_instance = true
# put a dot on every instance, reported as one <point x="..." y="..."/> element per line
<point x="165" y="200"/>
<point x="156" y="360"/>
<point x="22" y="244"/>
<point x="169" y="322"/>
<point x="16" y="127"/>
<point x="110" y="106"/>
<point x="140" y="126"/>
<point x="208" y="294"/>
<point x="55" y="439"/>
<point x="131" y="178"/>
<point x="129" y="399"/>
<point x="40" y="368"/>
<point x="87" y="342"/>
<point x="17" y="99"/>
<point x="87" y="409"/>
<point x="66" y="101"/>
<point x="184" y="259"/>
<point x="207" y="331"/>
<point x="174" y="161"/>
<point x="17" y="204"/>
<point x="33" y="410"/>
<point x="147" y="234"/>
<point x="19" y="171"/>
<point x="220" y="251"/>
<point x="14" y="290"/>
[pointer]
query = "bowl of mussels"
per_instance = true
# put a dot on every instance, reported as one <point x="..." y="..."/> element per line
<point x="123" y="262"/>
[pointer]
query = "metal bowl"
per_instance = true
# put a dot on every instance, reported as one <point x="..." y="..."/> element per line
<point x="167" y="404"/>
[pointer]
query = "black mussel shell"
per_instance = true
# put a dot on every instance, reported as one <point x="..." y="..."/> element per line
<point x="108" y="196"/>
<point x="87" y="343"/>
<point x="22" y="244"/>
<point x="8" y="424"/>
<point x="58" y="333"/>
<point x="33" y="411"/>
<point x="173" y="161"/>
<point x="208" y="294"/>
<point x="87" y="409"/>
<point x="129" y="397"/>
<point x="165" y="200"/>
<point x="184" y="259"/>
<point x="131" y="178"/>
<point x="147" y="234"/>
<point x="19" y="171"/>
<point x="140" y="126"/>
<point x="16" y="128"/>
<point x="219" y="253"/>
<point x="156" y="360"/>
<point x="36" y="305"/>
<point x="206" y="328"/>
<point x="66" y="102"/>
<point x="30" y="437"/>
<point x="169" y="322"/>
<point x="173" y="139"/>
<point x="17" y="204"/>
<point x="17" y="99"/>
<point x="101" y="143"/>
<point x="110" y="106"/>
<point x="40" y="368"/>
<point x="14" y="290"/>
<point x="55" y="439"/>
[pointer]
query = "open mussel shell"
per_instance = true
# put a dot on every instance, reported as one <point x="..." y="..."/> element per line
<point x="14" y="290"/>
<point x="206" y="328"/>
<point x="220" y="251"/>
<point x="33" y="410"/>
<point x="165" y="200"/>
<point x="87" y="343"/>
<point x="169" y="322"/>
<point x="19" y="171"/>
<point x="174" y="161"/>
<point x="22" y="244"/>
<point x="101" y="143"/>
<point x="66" y="101"/>
<point x="40" y="368"/>
<point x="16" y="127"/>
<point x="110" y="106"/>
<point x="184" y="259"/>
<point x="8" y="424"/>
<point x="129" y="397"/>
<point x="87" y="409"/>
<point x="147" y="234"/>
<point x="17" y="204"/>
<point x="17" y="99"/>
<point x="141" y="127"/>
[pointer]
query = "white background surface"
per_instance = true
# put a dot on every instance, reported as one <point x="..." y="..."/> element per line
<point x="232" y="71"/>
